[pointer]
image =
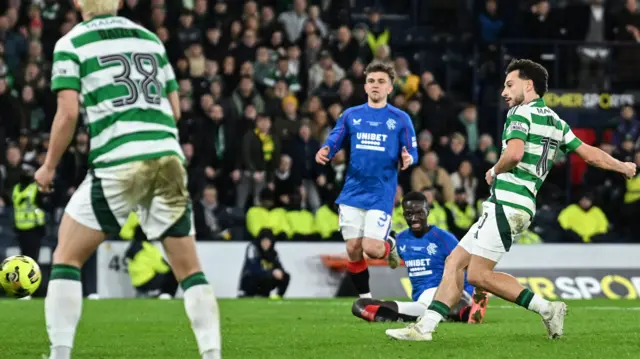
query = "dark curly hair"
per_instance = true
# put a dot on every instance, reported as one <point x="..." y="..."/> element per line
<point x="530" y="70"/>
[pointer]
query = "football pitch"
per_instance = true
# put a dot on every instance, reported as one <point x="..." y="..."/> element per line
<point x="301" y="329"/>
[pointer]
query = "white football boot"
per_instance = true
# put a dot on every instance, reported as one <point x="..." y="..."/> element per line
<point x="555" y="323"/>
<point x="410" y="333"/>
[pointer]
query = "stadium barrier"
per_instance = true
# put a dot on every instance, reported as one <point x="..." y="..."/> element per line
<point x="555" y="271"/>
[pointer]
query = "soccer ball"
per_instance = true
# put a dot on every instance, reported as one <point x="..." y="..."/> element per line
<point x="20" y="276"/>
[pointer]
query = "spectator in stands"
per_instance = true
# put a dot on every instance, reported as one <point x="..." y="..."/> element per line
<point x="286" y="127"/>
<point x="583" y="222"/>
<point x="302" y="150"/>
<point x="217" y="146"/>
<point x="317" y="72"/>
<point x="345" y="49"/>
<point x="425" y="144"/>
<point x="283" y="73"/>
<point x="10" y="114"/>
<point x="429" y="174"/>
<point x="294" y="20"/>
<point x="194" y="171"/>
<point x="625" y="150"/>
<point x="378" y="34"/>
<point x="406" y="83"/>
<point x="11" y="172"/>
<point x="467" y="125"/>
<point x="346" y="95"/>
<point x="262" y="271"/>
<point x="455" y="154"/>
<point x="260" y="153"/>
<point x="246" y="94"/>
<point x="543" y="23"/>
<point x="626" y="29"/>
<point x="328" y="89"/>
<point x="461" y="214"/>
<point x="215" y="221"/>
<point x="438" y="112"/>
<point x="628" y="124"/>
<point x="490" y="26"/>
<point x="285" y="181"/>
<point x="464" y="178"/>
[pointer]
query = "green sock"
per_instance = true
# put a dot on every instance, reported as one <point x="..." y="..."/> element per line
<point x="194" y="279"/>
<point x="524" y="298"/>
<point x="64" y="271"/>
<point x="440" y="308"/>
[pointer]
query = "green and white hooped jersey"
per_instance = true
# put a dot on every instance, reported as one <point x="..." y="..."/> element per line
<point x="544" y="134"/>
<point x="123" y="76"/>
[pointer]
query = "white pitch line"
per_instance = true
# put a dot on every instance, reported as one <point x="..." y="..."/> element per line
<point x="346" y="304"/>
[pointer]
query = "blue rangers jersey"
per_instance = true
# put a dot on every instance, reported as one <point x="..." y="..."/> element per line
<point x="376" y="137"/>
<point x="424" y="258"/>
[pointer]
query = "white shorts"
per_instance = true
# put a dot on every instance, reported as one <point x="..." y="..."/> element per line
<point x="361" y="223"/>
<point x="492" y="235"/>
<point x="155" y="189"/>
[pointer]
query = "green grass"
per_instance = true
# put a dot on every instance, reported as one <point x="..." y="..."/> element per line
<point x="300" y="329"/>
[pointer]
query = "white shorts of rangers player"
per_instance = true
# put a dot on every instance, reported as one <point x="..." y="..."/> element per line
<point x="361" y="223"/>
<point x="492" y="235"/>
<point x="155" y="189"/>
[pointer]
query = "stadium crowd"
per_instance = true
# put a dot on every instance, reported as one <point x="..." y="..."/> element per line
<point x="262" y="83"/>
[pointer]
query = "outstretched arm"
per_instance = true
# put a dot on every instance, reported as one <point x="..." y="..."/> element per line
<point x="596" y="157"/>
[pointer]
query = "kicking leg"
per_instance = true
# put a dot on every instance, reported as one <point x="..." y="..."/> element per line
<point x="199" y="300"/>
<point x="505" y="286"/>
<point x="63" y="304"/>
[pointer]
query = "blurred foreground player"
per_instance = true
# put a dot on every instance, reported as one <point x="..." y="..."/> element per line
<point x="120" y="72"/>
<point x="378" y="136"/>
<point x="532" y="137"/>
<point x="424" y="250"/>
<point x="262" y="271"/>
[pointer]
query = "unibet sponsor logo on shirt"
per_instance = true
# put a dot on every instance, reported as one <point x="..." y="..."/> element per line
<point x="371" y="141"/>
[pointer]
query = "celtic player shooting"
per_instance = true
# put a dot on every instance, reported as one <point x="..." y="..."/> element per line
<point x="533" y="135"/>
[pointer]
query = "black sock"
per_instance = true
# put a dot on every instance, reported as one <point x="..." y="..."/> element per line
<point x="359" y="275"/>
<point x="361" y="281"/>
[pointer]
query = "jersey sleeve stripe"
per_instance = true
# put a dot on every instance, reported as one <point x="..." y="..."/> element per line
<point x="147" y="116"/>
<point x="65" y="56"/>
<point x="170" y="86"/>
<point x="519" y="118"/>
<point x="133" y="137"/>
<point x="65" y="83"/>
